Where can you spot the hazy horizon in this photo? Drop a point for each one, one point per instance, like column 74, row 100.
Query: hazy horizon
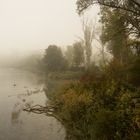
column 31, row 25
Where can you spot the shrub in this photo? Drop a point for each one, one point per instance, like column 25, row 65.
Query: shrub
column 100, row 110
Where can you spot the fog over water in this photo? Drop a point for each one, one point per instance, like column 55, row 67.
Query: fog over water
column 31, row 25
column 27, row 27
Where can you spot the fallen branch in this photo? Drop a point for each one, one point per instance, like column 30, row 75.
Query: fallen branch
column 47, row 110
column 38, row 109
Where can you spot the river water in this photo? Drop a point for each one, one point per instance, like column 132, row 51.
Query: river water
column 18, row 88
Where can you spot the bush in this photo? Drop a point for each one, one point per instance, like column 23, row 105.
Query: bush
column 98, row 111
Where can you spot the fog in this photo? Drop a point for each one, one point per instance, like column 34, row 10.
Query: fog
column 31, row 25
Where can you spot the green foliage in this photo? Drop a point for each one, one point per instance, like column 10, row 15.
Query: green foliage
column 75, row 55
column 69, row 55
column 115, row 33
column 100, row 110
column 78, row 54
column 89, row 33
column 134, row 44
column 55, row 80
column 134, row 72
column 67, row 75
column 53, row 59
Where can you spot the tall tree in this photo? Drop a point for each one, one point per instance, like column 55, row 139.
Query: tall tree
column 69, row 55
column 88, row 32
column 115, row 33
column 131, row 7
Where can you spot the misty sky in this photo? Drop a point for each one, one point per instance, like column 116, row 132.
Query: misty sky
column 34, row 24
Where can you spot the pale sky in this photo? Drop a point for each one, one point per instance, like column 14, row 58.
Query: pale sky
column 34, row 24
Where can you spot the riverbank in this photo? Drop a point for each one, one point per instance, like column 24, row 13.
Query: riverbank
column 94, row 107
column 55, row 82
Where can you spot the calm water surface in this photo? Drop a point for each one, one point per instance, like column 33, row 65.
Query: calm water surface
column 15, row 124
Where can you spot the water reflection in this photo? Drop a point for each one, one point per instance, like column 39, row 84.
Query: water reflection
column 22, row 103
column 15, row 115
column 16, row 124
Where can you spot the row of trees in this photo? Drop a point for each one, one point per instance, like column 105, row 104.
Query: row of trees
column 55, row 60
column 127, row 9
column 76, row 56
column 120, row 35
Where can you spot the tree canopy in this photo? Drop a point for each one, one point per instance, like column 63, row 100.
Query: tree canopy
column 53, row 59
column 132, row 6
column 78, row 54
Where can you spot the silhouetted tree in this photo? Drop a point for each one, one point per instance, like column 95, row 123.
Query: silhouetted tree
column 78, row 54
column 115, row 33
column 54, row 59
column 69, row 55
column 88, row 32
column 130, row 7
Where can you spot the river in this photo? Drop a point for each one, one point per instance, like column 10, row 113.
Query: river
column 15, row 86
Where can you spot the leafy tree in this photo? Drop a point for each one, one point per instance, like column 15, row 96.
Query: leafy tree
column 131, row 7
column 115, row 33
column 88, row 31
column 134, row 44
column 54, row 59
column 78, row 54
column 99, row 110
column 69, row 55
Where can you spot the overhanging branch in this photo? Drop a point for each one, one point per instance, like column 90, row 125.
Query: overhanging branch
column 84, row 4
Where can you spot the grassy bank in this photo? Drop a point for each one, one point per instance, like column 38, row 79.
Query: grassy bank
column 56, row 80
